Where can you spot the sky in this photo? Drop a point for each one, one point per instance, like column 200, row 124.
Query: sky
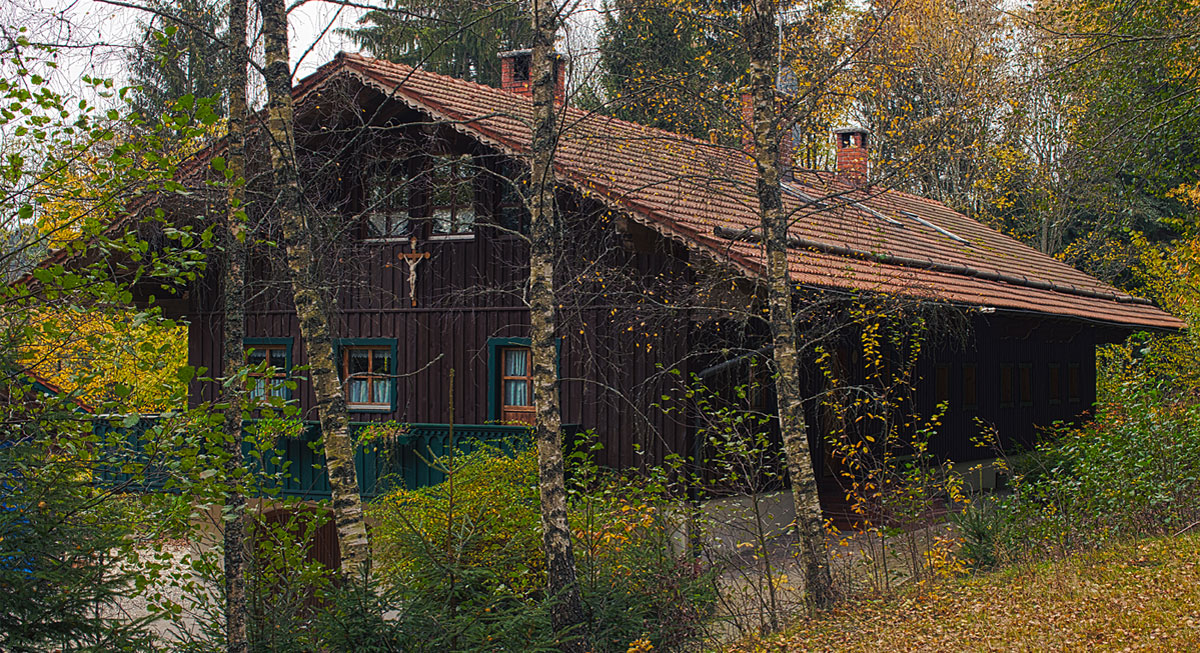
column 95, row 37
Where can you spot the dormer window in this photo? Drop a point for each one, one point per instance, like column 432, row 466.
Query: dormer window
column 511, row 212
column 386, row 200
column 506, row 183
column 452, row 195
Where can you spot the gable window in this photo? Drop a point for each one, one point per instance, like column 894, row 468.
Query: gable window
column 516, row 386
column 386, row 201
column 511, row 212
column 269, row 360
column 368, row 374
column 452, row 195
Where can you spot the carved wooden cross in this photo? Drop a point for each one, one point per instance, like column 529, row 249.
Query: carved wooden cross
column 412, row 257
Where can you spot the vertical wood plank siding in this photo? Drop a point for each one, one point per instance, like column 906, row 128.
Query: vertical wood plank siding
column 468, row 292
column 613, row 365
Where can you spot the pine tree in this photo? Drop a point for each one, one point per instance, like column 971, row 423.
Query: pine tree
column 452, row 37
column 667, row 66
column 177, row 55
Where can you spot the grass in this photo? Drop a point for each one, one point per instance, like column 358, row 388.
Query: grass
column 1140, row 596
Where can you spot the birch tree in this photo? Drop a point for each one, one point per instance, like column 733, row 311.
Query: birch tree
column 313, row 307
column 760, row 29
column 234, row 312
column 566, row 606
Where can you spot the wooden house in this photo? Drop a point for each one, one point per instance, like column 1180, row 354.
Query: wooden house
column 418, row 179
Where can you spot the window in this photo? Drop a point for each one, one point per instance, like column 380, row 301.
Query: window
column 269, row 360
column 970, row 398
column 510, row 380
column 759, row 385
column 452, row 195
column 941, row 383
column 385, row 199
column 1054, row 381
column 368, row 371
column 511, row 212
column 516, row 386
column 1073, row 395
column 1006, row 386
column 1026, row 384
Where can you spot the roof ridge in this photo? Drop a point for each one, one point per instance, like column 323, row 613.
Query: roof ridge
column 583, row 113
column 688, row 213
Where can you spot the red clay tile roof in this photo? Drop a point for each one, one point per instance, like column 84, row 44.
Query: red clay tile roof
column 700, row 193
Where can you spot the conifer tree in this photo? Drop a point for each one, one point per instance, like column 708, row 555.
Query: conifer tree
column 667, row 65
column 451, row 37
column 176, row 54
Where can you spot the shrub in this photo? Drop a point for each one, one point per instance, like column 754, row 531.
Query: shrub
column 464, row 557
column 287, row 592
column 464, row 561
column 354, row 618
column 637, row 575
column 484, row 517
column 977, row 525
column 1134, row 471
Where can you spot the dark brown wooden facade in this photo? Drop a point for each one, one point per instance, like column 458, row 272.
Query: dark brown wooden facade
column 1019, row 374
column 468, row 307
column 634, row 324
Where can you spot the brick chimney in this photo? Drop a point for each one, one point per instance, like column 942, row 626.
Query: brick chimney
column 786, row 154
column 515, row 68
column 852, row 144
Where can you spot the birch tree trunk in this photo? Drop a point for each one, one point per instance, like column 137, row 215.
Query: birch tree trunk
column 814, row 556
column 314, row 308
column 234, row 326
column 566, row 612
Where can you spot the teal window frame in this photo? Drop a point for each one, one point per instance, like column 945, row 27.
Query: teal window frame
column 494, row 345
column 254, row 343
column 345, row 343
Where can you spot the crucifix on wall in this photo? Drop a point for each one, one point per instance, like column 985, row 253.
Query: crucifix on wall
column 413, row 258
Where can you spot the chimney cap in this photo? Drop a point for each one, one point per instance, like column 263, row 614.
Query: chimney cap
column 852, row 130
column 527, row 52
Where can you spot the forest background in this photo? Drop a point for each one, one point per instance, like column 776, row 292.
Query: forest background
column 1068, row 124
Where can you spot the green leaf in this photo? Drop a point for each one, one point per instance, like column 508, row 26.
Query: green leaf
column 185, row 374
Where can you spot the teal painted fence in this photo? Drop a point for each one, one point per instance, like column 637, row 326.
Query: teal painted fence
column 407, row 459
